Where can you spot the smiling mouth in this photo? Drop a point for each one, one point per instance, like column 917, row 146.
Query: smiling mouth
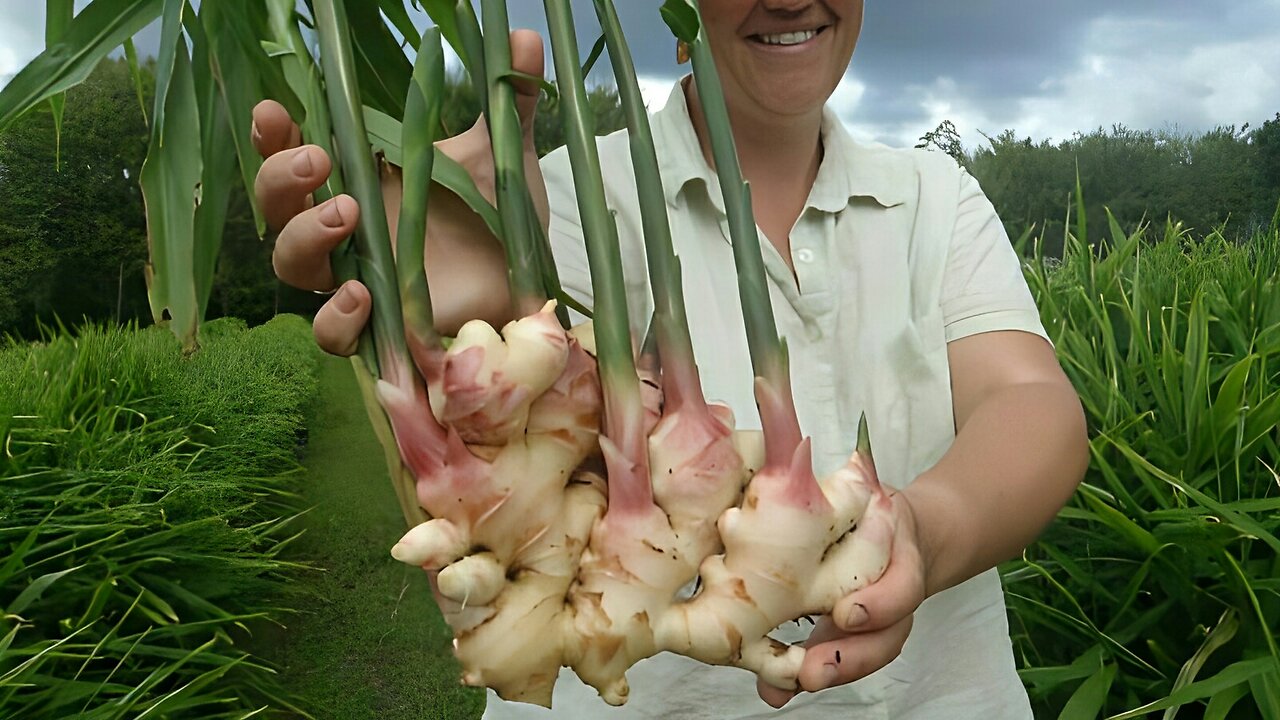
column 789, row 38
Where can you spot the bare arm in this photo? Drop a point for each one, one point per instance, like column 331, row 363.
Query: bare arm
column 1021, row 449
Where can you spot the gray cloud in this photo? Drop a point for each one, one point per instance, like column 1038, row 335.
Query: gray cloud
column 1044, row 69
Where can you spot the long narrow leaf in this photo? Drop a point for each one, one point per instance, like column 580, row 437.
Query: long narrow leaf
column 170, row 181
column 421, row 119
column 384, row 135
column 1090, row 698
column 238, row 61
column 373, row 238
column 1229, row 677
column 96, row 31
column 218, row 173
column 131, row 57
column 57, row 16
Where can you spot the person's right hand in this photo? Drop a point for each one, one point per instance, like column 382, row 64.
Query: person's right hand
column 466, row 265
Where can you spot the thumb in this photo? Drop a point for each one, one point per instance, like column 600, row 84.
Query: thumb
column 527, row 58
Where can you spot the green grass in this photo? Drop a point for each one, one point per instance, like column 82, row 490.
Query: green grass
column 1158, row 588
column 370, row 642
column 145, row 503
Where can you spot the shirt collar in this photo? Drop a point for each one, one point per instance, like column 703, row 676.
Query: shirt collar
column 849, row 169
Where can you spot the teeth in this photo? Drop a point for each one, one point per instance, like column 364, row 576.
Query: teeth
column 790, row 38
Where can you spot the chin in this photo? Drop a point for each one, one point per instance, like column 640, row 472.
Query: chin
column 791, row 98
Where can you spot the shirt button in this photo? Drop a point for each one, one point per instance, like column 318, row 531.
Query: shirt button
column 804, row 255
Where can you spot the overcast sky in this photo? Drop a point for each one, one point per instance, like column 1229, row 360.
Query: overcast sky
column 1042, row 68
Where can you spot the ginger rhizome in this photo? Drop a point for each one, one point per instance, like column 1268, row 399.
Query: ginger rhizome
column 571, row 495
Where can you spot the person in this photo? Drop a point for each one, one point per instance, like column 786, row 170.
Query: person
column 898, row 293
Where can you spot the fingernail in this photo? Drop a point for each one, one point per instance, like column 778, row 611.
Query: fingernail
column 254, row 132
column 345, row 301
column 302, row 163
column 330, row 214
column 856, row 616
column 829, row 676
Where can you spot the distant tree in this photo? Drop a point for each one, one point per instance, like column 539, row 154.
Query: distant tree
column 946, row 138
column 1206, row 181
column 73, row 238
column 1266, row 140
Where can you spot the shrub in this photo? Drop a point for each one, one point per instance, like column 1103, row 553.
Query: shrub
column 144, row 503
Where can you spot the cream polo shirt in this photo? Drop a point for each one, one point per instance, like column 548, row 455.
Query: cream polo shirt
column 897, row 252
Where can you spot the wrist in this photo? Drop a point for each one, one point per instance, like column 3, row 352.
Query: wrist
column 938, row 512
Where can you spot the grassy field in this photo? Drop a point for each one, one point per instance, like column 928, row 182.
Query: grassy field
column 147, row 502
column 1159, row 585
column 369, row 642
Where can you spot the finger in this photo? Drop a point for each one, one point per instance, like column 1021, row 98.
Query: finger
column 847, row 658
column 285, row 182
column 527, row 57
column 273, row 130
column 894, row 596
column 301, row 254
column 823, row 631
column 774, row 697
column 340, row 321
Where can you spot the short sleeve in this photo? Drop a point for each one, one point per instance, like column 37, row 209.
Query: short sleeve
column 983, row 288
column 568, row 244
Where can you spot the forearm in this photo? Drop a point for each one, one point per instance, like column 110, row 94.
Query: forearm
column 1014, row 464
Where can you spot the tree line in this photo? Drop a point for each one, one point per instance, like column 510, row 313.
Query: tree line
column 73, row 231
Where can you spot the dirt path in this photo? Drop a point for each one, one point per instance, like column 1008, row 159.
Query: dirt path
column 372, row 643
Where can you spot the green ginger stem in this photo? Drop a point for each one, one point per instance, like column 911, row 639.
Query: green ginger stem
column 510, row 186
column 421, row 119
column 671, row 321
column 623, row 409
column 768, row 355
column 372, row 238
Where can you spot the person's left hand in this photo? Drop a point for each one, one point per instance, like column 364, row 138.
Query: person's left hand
column 868, row 627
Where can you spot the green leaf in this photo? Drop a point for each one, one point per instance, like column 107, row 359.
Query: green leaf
column 57, row 16
column 444, row 14
column 1047, row 678
column 1087, row 702
column 7, row 640
column 418, row 135
column 1221, row 703
column 594, row 55
column 15, row 562
column 1266, row 693
column 470, row 47
column 170, row 181
column 240, row 66
column 1221, row 634
column 218, row 174
column 1230, row 676
column 682, row 18
column 382, row 70
column 99, row 29
column 384, row 136
column 1144, row 542
column 399, row 17
column 131, row 56
column 1195, row 374
column 37, row 587
column 303, row 79
column 1242, row 522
